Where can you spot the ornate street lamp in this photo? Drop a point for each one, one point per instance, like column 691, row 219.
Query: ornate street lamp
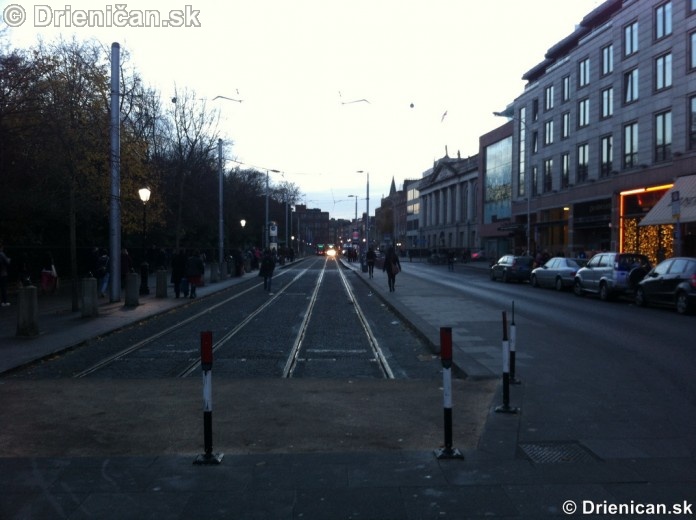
column 144, row 194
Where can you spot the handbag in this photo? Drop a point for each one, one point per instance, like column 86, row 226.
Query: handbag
column 395, row 268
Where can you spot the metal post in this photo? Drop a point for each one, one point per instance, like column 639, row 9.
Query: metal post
column 513, row 348
column 207, row 365
column 221, row 232
column 115, row 195
column 446, row 356
column 505, row 407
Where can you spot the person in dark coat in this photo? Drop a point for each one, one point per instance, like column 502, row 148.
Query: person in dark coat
column 178, row 271
column 194, row 272
column 266, row 270
column 370, row 257
column 392, row 266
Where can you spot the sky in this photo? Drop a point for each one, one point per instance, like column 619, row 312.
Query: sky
column 331, row 92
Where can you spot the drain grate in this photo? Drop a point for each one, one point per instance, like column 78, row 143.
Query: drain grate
column 554, row 452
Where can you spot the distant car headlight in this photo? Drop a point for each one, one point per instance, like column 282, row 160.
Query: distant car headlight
column 331, row 252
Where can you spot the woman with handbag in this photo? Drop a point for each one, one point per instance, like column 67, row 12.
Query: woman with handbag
column 392, row 266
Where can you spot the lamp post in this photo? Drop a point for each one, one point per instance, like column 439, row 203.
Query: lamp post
column 527, row 172
column 265, row 227
column 144, row 194
column 221, row 232
column 367, row 210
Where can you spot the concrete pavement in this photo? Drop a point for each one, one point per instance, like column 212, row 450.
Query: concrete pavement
column 509, row 472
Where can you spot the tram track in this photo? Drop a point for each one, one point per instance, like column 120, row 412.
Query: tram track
column 157, row 342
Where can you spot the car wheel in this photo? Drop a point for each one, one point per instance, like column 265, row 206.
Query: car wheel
column 604, row 292
column 577, row 288
column 682, row 303
column 640, row 300
column 534, row 281
column 559, row 284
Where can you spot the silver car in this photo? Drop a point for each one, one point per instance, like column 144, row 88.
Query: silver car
column 558, row 273
column 611, row 274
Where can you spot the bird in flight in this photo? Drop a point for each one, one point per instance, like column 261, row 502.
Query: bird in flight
column 363, row 100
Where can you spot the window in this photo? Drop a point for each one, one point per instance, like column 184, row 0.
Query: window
column 583, row 162
column 692, row 50
column 692, row 123
column 607, row 60
column 663, row 20
column 630, row 145
column 535, row 173
column 663, row 72
column 522, row 178
column 566, row 88
column 607, row 102
column 607, row 158
column 548, row 98
column 565, row 170
column 548, row 175
column 565, row 125
column 548, row 132
column 584, row 113
column 663, row 136
column 584, row 72
column 631, row 86
column 535, row 142
column 535, row 109
column 631, row 39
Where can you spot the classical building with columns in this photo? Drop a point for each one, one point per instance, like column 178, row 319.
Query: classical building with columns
column 448, row 205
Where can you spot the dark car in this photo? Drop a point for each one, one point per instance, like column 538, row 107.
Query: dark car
column 511, row 267
column 558, row 272
column 672, row 282
column 611, row 274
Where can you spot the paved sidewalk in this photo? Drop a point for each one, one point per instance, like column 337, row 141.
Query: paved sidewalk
column 509, row 473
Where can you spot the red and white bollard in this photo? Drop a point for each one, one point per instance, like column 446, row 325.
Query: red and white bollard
column 505, row 407
column 513, row 348
column 446, row 356
column 207, row 365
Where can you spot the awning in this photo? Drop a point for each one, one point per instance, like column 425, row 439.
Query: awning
column 662, row 212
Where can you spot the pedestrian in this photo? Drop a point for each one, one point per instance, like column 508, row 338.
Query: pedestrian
column 370, row 257
column 266, row 270
column 194, row 272
column 101, row 271
column 392, row 266
column 450, row 259
column 179, row 273
column 49, row 275
column 4, row 275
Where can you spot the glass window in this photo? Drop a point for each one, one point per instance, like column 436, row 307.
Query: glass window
column 631, row 86
column 565, row 125
column 692, row 50
column 663, row 72
column 548, row 98
column 631, row 145
column 607, row 60
column 678, row 266
column 663, row 136
column 663, row 20
column 584, row 72
column 584, row 113
column 566, row 88
column 692, row 124
column 548, row 132
column 663, row 267
column 548, row 175
column 607, row 102
column 607, row 157
column 583, row 162
column 631, row 39
column 565, row 170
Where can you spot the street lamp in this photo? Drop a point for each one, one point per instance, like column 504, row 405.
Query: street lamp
column 266, row 244
column 527, row 171
column 367, row 210
column 144, row 194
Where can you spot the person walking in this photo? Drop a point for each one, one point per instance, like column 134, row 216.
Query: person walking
column 194, row 272
column 4, row 275
column 370, row 257
column 179, row 272
column 392, row 266
column 266, row 270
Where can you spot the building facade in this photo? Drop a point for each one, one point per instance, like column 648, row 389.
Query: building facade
column 604, row 127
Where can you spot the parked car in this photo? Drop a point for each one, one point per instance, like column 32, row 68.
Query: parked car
column 511, row 267
column 558, row 272
column 672, row 282
column 611, row 274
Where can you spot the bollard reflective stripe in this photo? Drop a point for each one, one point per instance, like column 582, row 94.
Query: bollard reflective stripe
column 207, row 365
column 446, row 357
column 505, row 407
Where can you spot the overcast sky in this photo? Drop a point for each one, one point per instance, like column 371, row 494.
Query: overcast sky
column 431, row 72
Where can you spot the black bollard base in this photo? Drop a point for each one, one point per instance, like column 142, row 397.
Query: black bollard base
column 209, row 459
column 448, row 453
column 506, row 408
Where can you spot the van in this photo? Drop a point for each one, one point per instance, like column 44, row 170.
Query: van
column 611, row 274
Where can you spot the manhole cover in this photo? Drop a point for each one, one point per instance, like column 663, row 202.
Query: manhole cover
column 553, row 452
